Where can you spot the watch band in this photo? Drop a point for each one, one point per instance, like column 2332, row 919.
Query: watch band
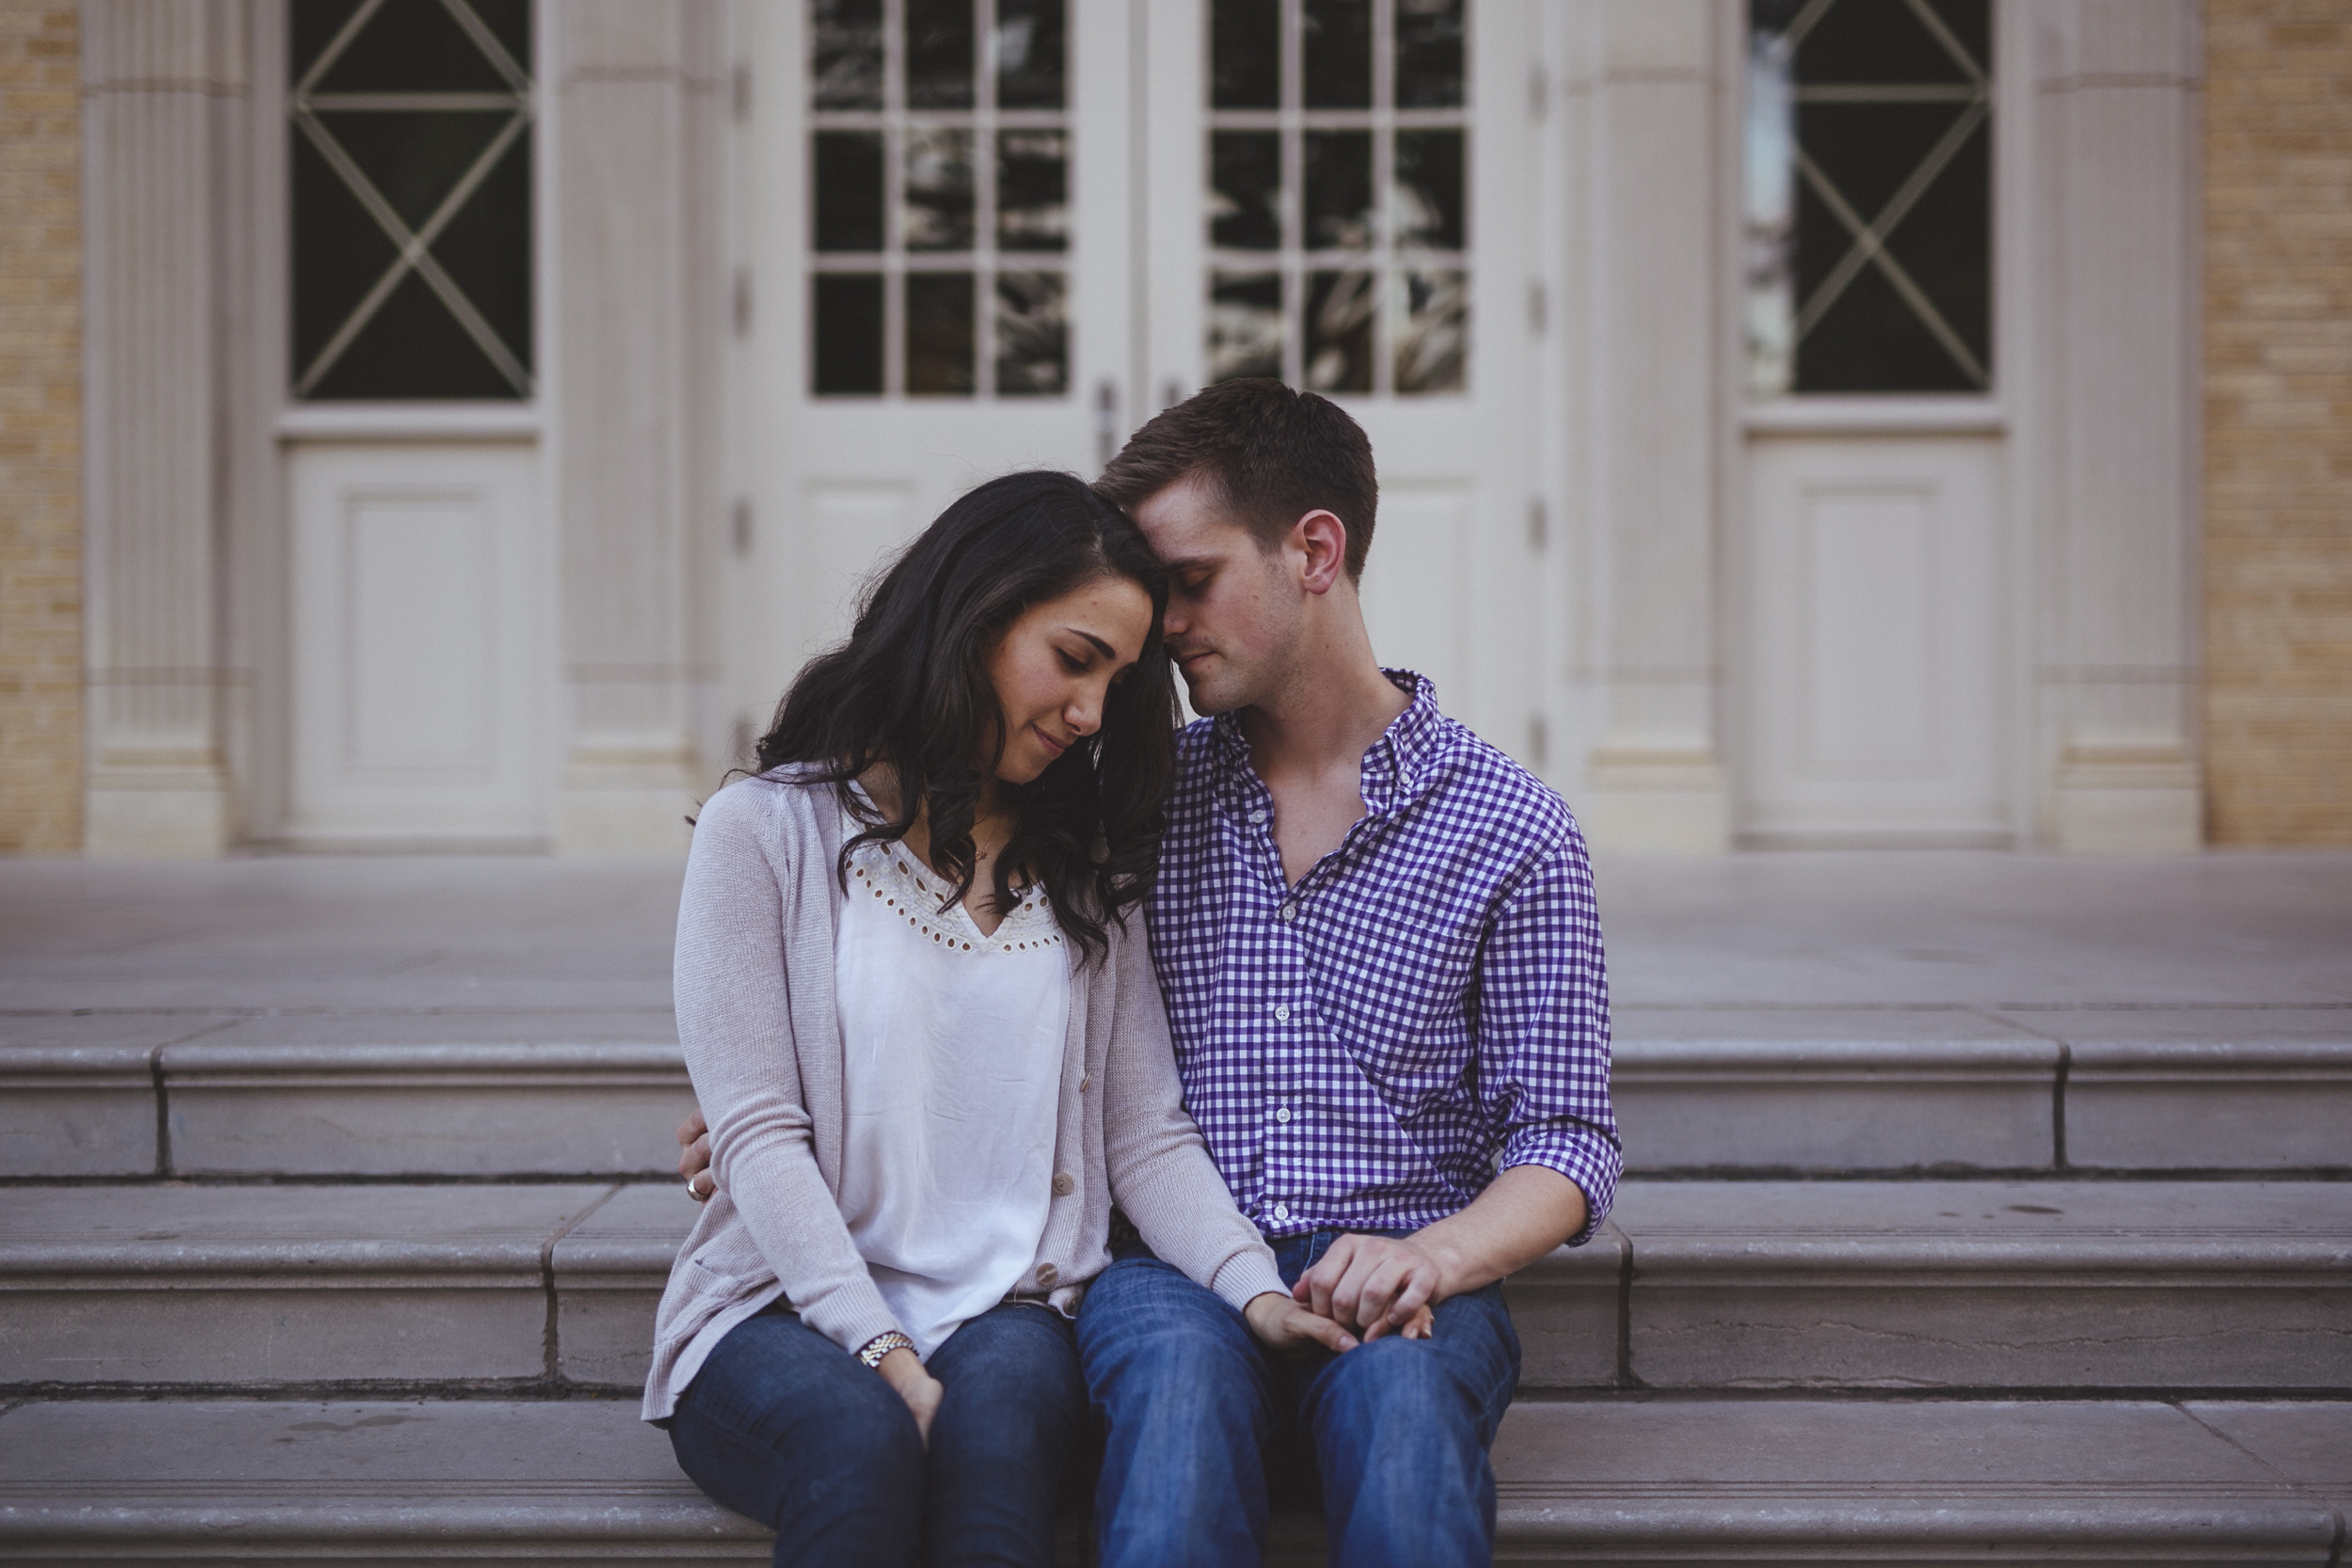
column 882, row 1344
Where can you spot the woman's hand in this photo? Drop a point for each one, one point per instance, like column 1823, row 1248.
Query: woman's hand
column 693, row 1142
column 904, row 1372
column 1282, row 1324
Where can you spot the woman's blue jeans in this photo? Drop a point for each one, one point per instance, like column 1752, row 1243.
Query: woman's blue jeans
column 1194, row 1407
column 784, row 1426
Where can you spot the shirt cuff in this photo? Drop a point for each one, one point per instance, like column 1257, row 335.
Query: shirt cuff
column 1590, row 1159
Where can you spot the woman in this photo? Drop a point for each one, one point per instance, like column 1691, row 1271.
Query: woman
column 920, row 1015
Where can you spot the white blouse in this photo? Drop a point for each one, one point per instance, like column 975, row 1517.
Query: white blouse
column 952, row 1044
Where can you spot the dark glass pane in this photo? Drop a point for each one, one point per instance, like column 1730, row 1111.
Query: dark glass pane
column 1433, row 337
column 1428, row 53
column 1871, row 342
column 1029, row 48
column 845, row 53
column 939, row 54
column 1429, row 189
column 509, row 21
column 1245, row 190
column 849, row 190
column 1884, row 41
column 1339, row 310
column 413, row 159
column 1246, row 54
column 1337, row 175
column 337, row 252
column 1868, row 150
column 406, row 46
column 486, row 249
column 1244, row 324
column 1946, row 245
column 412, row 348
column 1032, row 334
column 1336, row 38
column 937, row 211
column 310, row 28
column 1033, row 190
column 847, row 328
column 939, row 332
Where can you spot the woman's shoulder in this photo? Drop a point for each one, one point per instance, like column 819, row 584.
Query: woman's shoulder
column 793, row 800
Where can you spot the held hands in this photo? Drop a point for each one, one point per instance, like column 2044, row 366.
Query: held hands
column 1376, row 1285
column 693, row 1160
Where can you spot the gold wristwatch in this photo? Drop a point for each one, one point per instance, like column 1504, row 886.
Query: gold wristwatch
column 881, row 1345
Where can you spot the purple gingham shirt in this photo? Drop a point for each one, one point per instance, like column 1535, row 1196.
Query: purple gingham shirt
column 1428, row 1006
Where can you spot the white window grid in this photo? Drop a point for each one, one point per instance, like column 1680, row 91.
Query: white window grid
column 894, row 120
column 1388, row 259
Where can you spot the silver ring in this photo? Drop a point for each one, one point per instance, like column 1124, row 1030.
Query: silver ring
column 699, row 1197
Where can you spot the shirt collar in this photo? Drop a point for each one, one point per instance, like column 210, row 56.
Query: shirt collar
column 1395, row 765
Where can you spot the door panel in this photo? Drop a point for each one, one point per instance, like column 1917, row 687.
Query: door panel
column 420, row 669
column 1872, row 675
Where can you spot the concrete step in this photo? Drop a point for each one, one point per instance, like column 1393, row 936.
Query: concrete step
column 582, row 1480
column 1749, row 1092
column 532, row 1093
column 2106, row 1286
column 1803, row 1090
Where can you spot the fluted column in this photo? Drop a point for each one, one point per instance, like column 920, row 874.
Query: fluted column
column 1647, row 89
column 163, row 83
column 2118, row 425
column 634, row 385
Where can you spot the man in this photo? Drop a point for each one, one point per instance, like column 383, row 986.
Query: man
column 1383, row 968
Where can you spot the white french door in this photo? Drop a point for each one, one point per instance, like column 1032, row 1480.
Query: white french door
column 995, row 233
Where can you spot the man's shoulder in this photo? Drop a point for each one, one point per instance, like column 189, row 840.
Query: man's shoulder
column 1476, row 784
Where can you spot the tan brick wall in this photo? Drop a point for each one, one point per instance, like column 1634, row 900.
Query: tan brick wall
column 2278, row 421
column 40, row 428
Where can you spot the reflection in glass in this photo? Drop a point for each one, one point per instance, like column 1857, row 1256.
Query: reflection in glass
column 845, row 53
column 1429, row 188
column 1433, row 332
column 849, row 190
column 939, row 332
column 1028, row 52
column 1246, row 54
column 1335, row 37
column 1338, row 177
column 1339, row 310
column 1033, row 190
column 1032, row 334
column 1245, row 190
column 936, row 210
column 846, row 309
column 1428, row 53
column 939, row 54
column 1244, row 324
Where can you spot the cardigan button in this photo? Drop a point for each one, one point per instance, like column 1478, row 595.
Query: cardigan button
column 1064, row 1184
column 1087, row 1083
column 1047, row 1273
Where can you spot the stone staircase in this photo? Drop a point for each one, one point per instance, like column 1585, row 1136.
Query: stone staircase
column 1892, row 1283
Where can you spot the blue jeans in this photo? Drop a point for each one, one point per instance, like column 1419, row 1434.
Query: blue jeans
column 1193, row 1408
column 786, row 1427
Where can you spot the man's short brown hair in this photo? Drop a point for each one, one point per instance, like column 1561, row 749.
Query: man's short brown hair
column 1272, row 456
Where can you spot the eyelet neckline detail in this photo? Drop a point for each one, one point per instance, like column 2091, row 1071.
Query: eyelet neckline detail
column 912, row 893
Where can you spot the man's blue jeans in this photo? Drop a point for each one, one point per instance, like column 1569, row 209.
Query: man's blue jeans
column 1192, row 1405
column 786, row 1427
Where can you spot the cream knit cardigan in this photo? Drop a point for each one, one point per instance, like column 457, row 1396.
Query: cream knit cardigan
column 756, row 1018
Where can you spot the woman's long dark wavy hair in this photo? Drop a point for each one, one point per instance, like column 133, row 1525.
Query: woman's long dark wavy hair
column 911, row 690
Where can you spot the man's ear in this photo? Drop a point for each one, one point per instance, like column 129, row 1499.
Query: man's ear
column 1321, row 540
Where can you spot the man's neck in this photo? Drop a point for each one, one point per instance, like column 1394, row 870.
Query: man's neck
column 1325, row 720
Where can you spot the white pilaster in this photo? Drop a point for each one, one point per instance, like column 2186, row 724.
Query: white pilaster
column 1646, row 84
column 633, row 373
column 2117, row 345
column 163, row 84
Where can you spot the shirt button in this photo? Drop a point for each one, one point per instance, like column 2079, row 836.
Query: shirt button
column 1289, row 911
column 1257, row 815
column 1047, row 1273
column 1281, row 1012
column 1282, row 1115
column 1282, row 1211
column 1063, row 1184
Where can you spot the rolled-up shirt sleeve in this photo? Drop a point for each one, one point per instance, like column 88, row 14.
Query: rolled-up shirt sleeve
column 1543, row 1029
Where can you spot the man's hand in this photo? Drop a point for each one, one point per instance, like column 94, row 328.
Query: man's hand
column 693, row 1136
column 1281, row 1324
column 905, row 1374
column 1375, row 1284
